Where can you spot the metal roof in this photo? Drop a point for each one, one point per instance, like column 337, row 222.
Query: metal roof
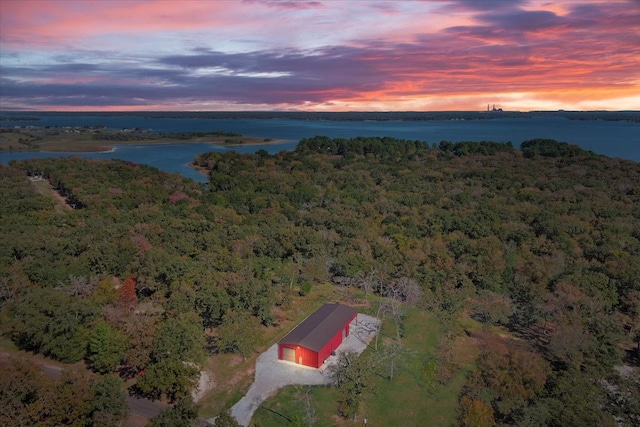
column 316, row 331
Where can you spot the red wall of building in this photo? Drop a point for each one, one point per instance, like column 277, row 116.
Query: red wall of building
column 304, row 356
column 307, row 357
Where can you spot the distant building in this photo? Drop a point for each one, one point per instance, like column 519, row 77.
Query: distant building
column 318, row 336
column 494, row 109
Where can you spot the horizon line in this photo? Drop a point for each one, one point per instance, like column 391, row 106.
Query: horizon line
column 321, row 112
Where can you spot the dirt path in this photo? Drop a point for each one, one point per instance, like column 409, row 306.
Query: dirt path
column 273, row 374
column 42, row 186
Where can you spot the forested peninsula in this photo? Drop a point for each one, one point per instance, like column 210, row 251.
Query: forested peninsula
column 98, row 138
column 507, row 280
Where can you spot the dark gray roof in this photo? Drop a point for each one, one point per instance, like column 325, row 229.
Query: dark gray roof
column 323, row 324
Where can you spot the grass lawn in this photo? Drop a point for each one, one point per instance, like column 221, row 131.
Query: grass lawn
column 406, row 400
column 286, row 408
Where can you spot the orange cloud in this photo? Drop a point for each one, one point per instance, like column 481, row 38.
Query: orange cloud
column 400, row 55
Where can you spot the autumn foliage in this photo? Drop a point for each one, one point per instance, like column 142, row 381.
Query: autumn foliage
column 176, row 196
column 546, row 247
column 127, row 295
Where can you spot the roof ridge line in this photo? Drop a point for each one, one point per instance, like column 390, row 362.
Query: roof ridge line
column 324, row 320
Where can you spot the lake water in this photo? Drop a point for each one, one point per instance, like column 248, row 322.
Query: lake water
column 611, row 138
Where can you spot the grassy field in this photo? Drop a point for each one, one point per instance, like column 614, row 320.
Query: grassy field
column 409, row 399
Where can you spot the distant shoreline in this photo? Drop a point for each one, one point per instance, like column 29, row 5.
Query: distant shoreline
column 610, row 115
column 200, row 169
column 55, row 144
column 77, row 133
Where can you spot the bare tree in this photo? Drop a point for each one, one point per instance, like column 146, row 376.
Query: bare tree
column 392, row 291
column 392, row 355
column 393, row 308
column 303, row 395
column 368, row 282
column 380, row 315
column 80, row 286
column 410, row 291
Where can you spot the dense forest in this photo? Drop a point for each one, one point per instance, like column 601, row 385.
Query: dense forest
column 144, row 274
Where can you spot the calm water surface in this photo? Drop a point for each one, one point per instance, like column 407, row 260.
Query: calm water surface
column 611, row 138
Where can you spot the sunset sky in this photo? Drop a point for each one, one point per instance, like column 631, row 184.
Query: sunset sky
column 326, row 55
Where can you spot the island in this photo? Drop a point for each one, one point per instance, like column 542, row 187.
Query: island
column 100, row 138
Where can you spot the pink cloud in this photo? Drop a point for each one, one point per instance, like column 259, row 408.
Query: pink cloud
column 46, row 22
column 288, row 4
column 393, row 54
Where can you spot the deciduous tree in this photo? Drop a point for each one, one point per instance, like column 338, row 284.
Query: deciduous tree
column 127, row 295
column 238, row 332
column 109, row 406
column 353, row 376
column 106, row 347
column 183, row 414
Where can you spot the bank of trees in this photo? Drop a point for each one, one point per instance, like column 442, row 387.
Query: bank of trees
column 28, row 397
column 144, row 135
column 551, row 148
column 155, row 270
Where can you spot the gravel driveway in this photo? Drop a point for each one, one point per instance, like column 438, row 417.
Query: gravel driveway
column 273, row 374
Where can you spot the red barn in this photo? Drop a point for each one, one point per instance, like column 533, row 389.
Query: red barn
column 312, row 341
